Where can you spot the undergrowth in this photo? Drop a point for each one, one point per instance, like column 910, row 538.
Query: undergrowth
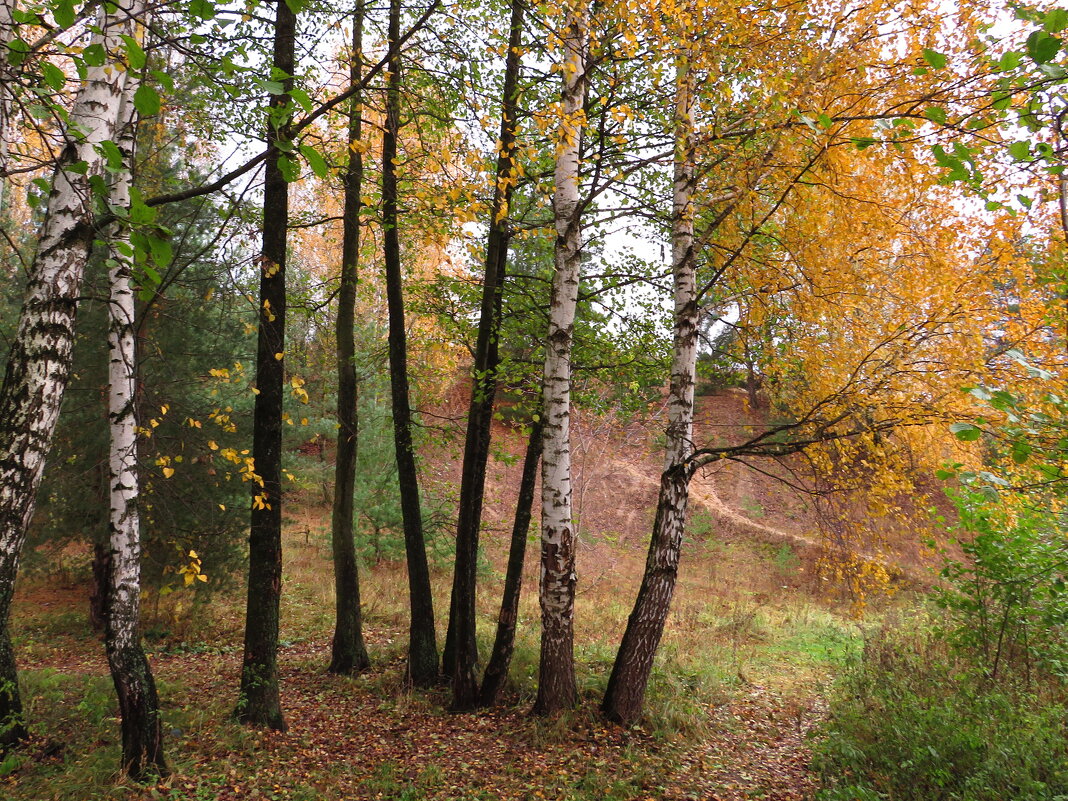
column 911, row 720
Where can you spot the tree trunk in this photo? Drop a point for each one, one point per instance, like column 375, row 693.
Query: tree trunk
column 142, row 734
column 7, row 33
column 348, row 653
column 98, row 596
column 422, row 642
column 556, row 680
column 39, row 360
column 258, row 702
column 484, row 387
column 634, row 662
column 504, row 642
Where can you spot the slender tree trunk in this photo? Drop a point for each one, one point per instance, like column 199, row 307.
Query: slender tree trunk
column 258, row 702
column 7, row 33
column 422, row 642
column 39, row 360
column 484, row 387
column 349, row 653
column 556, row 679
column 142, row 733
column 504, row 642
column 634, row 662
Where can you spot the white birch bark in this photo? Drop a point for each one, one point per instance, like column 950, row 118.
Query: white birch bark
column 556, row 683
column 39, row 360
column 634, row 661
column 142, row 738
column 7, row 33
column 124, row 487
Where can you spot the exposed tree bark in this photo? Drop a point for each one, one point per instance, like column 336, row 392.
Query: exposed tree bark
column 634, row 661
column 556, row 678
column 484, row 387
column 348, row 652
column 38, row 363
column 142, row 733
column 7, row 33
column 422, row 639
column 98, row 595
column 504, row 642
column 258, row 702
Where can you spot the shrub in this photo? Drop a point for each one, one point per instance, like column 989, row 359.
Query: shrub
column 913, row 719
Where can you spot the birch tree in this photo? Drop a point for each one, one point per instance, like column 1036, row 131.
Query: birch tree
column 142, row 734
column 556, row 678
column 38, row 363
column 634, row 660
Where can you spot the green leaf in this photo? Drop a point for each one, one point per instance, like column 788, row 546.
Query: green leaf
column 1042, row 47
column 935, row 114
column 290, row 168
column 315, row 160
column 94, row 55
column 1021, row 451
column 164, row 80
column 140, row 214
column 1020, row 151
column 863, row 142
column 1055, row 21
column 135, row 55
column 160, row 250
column 302, row 98
column 63, row 13
column 1001, row 101
column 966, row 432
column 204, row 9
column 17, row 50
column 53, row 76
column 147, row 101
column 934, row 58
column 271, row 87
column 824, row 121
column 1010, row 60
column 112, row 155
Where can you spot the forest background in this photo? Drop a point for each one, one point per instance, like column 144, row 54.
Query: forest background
column 354, row 264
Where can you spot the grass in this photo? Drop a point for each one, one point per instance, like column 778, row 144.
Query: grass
column 742, row 615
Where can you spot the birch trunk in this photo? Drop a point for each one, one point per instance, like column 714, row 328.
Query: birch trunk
column 39, row 360
column 348, row 651
column 142, row 734
column 422, row 639
column 484, row 387
column 556, row 678
column 7, row 33
column 634, row 661
column 258, row 702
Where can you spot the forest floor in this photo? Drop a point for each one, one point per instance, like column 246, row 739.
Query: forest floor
column 758, row 628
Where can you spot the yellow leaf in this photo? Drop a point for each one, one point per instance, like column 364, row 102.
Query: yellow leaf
column 168, row 472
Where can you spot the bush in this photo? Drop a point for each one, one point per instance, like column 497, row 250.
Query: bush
column 912, row 719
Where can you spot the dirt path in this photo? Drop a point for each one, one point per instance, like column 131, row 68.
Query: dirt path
column 759, row 749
